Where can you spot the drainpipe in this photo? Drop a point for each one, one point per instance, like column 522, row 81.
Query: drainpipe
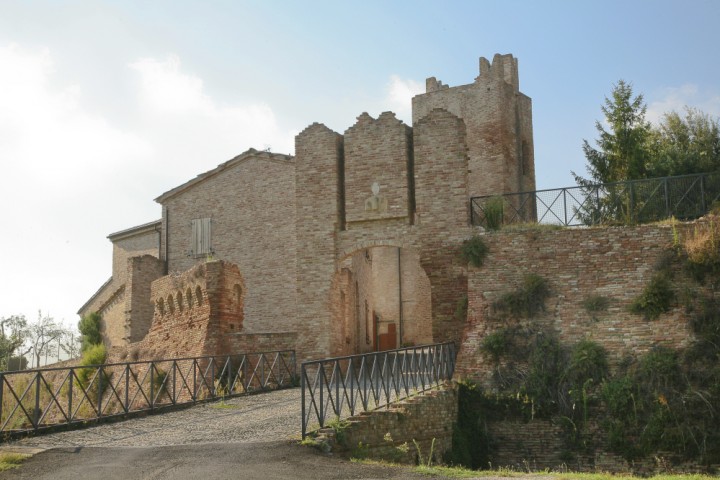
column 167, row 236
column 400, row 299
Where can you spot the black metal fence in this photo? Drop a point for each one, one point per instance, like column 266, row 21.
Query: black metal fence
column 35, row 400
column 631, row 202
column 343, row 386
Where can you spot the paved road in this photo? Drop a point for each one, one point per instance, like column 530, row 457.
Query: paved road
column 246, row 437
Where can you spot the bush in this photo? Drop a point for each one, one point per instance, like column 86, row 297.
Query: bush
column 527, row 300
column 496, row 344
column 588, row 361
column 89, row 327
column 95, row 355
column 474, row 251
column 656, row 299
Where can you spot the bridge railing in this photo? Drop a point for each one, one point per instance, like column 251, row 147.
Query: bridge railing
column 36, row 400
column 630, row 202
column 344, row 386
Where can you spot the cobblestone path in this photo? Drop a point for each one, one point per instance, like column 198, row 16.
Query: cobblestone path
column 254, row 418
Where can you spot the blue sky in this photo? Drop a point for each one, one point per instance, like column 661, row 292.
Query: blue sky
column 105, row 105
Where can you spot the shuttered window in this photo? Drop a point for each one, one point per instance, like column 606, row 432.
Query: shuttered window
column 201, row 236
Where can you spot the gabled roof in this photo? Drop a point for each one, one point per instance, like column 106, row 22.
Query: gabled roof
column 95, row 295
column 248, row 154
column 132, row 231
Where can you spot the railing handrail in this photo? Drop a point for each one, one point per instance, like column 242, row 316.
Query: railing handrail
column 138, row 362
column 598, row 185
column 629, row 201
column 42, row 399
column 364, row 385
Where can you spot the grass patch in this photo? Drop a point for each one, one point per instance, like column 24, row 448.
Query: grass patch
column 459, row 472
column 10, row 460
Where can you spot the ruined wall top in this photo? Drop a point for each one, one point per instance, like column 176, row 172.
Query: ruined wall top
column 503, row 67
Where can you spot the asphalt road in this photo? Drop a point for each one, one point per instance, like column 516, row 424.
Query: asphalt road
column 253, row 460
column 253, row 437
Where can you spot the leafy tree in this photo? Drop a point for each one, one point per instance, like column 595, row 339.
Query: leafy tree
column 623, row 151
column 13, row 331
column 42, row 334
column 89, row 327
column 685, row 145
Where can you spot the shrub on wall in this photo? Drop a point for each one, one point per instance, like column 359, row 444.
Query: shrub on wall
column 656, row 299
column 526, row 301
column 474, row 251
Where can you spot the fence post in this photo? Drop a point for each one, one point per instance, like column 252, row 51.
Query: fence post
column 702, row 194
column 667, row 197
column 100, row 391
column 321, row 374
column 36, row 410
column 302, row 400
column 565, row 206
column 70, row 394
column 127, row 388
column 152, row 385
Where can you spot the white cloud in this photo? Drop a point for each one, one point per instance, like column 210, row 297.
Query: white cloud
column 399, row 96
column 677, row 98
column 191, row 127
column 70, row 175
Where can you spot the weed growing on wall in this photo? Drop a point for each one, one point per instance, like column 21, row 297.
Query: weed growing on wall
column 525, row 302
column 657, row 297
column 595, row 304
column 474, row 251
column 493, row 210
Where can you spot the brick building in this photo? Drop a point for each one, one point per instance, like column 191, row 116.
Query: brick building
column 349, row 246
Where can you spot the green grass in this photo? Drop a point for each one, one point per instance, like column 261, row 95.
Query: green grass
column 457, row 472
column 11, row 460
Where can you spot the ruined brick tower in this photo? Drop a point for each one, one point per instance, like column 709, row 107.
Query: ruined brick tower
column 385, row 184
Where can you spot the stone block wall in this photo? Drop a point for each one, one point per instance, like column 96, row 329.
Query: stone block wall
column 388, row 434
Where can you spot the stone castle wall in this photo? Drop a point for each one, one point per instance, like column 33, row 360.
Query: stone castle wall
column 290, row 224
column 614, row 262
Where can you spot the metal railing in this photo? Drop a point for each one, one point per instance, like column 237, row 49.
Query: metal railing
column 36, row 400
column 631, row 202
column 343, row 386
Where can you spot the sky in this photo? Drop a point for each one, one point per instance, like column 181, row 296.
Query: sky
column 105, row 105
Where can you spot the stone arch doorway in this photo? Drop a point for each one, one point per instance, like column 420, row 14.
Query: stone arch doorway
column 380, row 300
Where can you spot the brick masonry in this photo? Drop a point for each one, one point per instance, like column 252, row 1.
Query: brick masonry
column 292, row 224
column 115, row 300
column 615, row 262
column 391, row 434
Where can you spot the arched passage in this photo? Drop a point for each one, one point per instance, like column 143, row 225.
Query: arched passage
column 380, row 300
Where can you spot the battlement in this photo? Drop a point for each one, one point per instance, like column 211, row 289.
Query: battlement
column 503, row 67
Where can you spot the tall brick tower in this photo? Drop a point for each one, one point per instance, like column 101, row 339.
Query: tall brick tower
column 498, row 121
